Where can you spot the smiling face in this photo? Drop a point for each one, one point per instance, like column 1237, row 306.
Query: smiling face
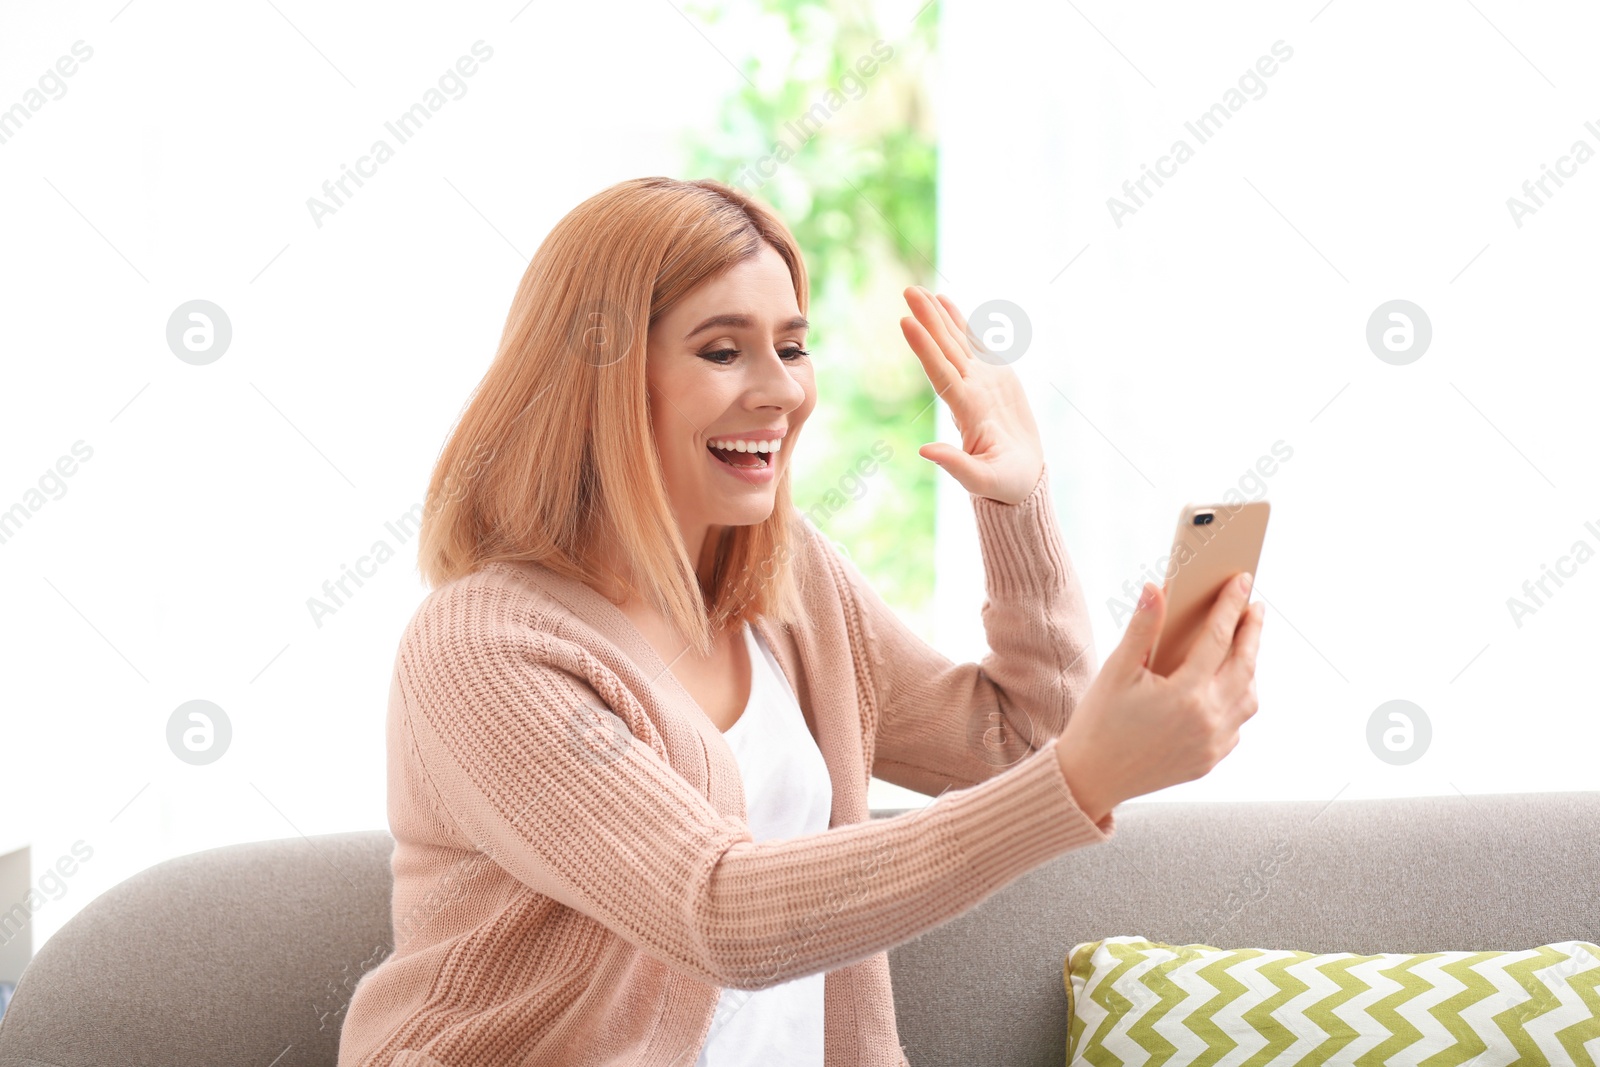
column 728, row 365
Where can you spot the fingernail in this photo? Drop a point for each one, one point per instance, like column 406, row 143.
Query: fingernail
column 1245, row 581
column 1147, row 595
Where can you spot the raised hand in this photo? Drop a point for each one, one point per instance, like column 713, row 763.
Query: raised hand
column 1001, row 456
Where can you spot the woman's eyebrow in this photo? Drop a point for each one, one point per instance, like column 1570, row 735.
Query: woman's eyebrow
column 745, row 322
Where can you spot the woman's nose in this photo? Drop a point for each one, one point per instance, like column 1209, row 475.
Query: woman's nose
column 776, row 383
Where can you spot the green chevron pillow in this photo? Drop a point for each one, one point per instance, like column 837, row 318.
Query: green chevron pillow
column 1138, row 1003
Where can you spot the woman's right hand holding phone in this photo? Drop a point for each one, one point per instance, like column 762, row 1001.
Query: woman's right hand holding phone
column 1135, row 732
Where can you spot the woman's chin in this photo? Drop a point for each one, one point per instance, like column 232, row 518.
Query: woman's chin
column 745, row 513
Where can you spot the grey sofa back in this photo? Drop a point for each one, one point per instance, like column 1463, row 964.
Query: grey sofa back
column 1420, row 874
column 248, row 953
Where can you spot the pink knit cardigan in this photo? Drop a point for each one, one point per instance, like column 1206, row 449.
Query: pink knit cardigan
column 573, row 874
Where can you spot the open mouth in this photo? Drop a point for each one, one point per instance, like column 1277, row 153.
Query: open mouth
column 747, row 460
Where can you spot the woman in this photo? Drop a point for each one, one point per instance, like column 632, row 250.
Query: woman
column 631, row 728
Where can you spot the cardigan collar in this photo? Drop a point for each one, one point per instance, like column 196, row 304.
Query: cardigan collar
column 598, row 612
column 720, row 778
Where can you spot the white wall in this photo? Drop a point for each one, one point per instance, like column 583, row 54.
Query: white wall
column 1229, row 313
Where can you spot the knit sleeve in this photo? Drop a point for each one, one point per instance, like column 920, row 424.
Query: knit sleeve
column 523, row 763
column 941, row 723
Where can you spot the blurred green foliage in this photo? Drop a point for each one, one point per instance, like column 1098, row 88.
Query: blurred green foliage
column 831, row 125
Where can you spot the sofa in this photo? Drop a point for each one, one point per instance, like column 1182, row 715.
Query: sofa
column 247, row 954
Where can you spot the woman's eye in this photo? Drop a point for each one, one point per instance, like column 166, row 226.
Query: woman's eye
column 712, row 356
column 794, row 353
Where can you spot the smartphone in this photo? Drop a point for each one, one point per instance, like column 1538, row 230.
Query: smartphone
column 1214, row 542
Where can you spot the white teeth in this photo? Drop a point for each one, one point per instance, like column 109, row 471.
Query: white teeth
column 748, row 446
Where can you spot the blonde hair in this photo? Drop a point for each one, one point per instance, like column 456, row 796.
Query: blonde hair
column 544, row 463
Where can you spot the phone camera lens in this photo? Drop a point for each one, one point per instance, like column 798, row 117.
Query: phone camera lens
column 1201, row 518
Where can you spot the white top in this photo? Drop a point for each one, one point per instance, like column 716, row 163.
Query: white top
column 788, row 793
